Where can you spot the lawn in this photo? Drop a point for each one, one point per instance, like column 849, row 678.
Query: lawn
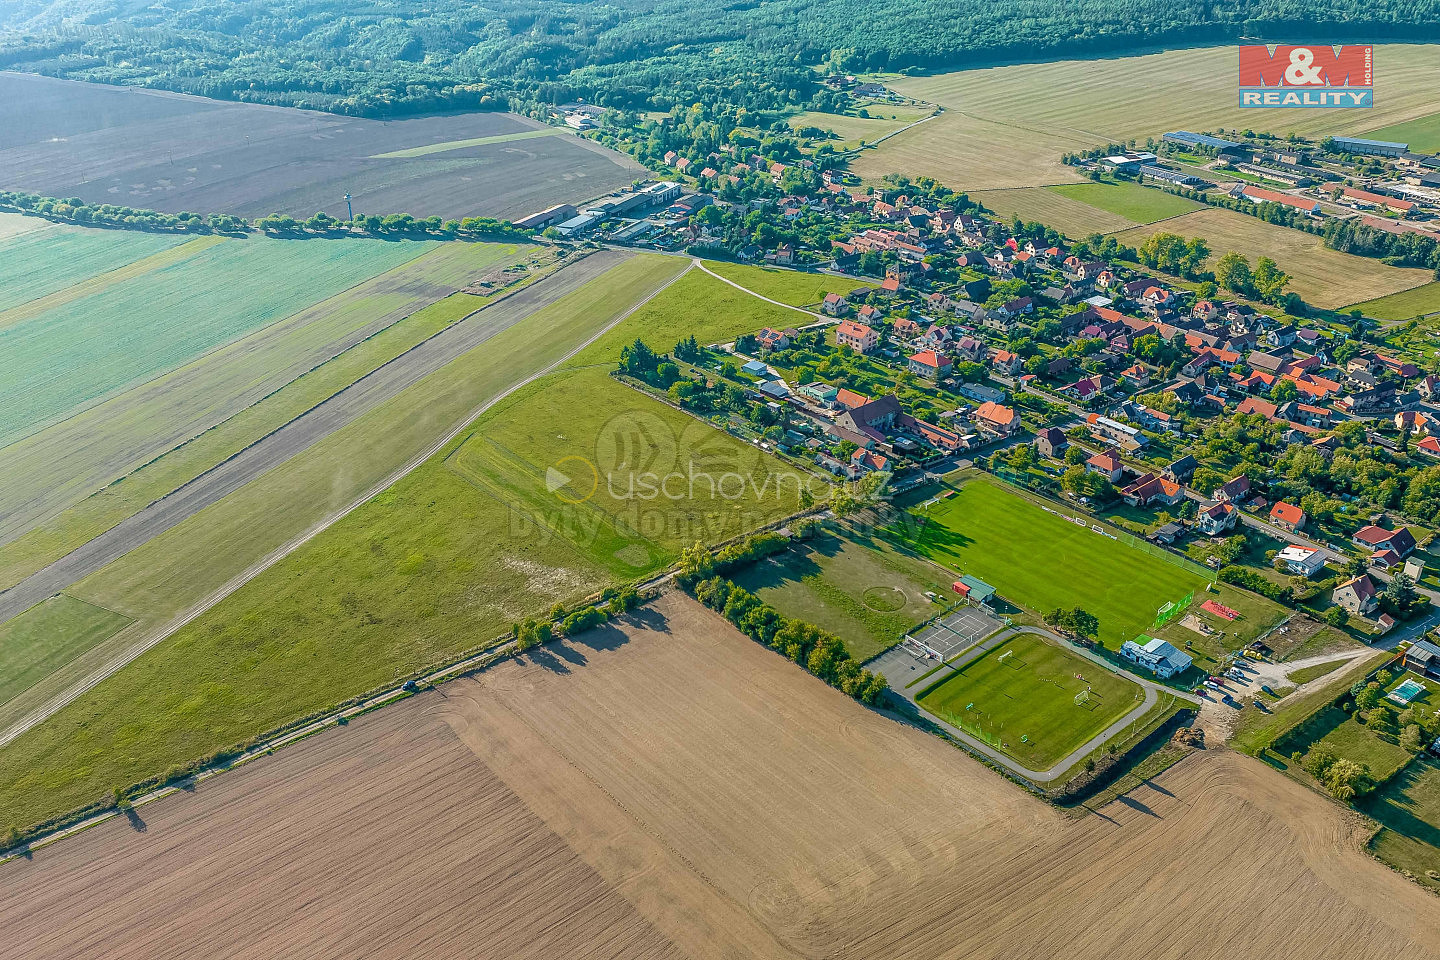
column 1306, row 674
column 38, row 263
column 1409, row 809
column 1008, row 126
column 1416, row 302
column 1422, row 133
column 1352, row 740
column 1020, row 698
column 797, row 288
column 1256, row 730
column 1129, row 200
column 698, row 304
column 1045, row 205
column 1324, row 277
column 1039, row 561
column 48, row 635
column 72, row 356
column 857, row 587
column 228, row 398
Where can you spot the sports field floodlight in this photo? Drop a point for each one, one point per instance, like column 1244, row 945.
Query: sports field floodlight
column 349, row 209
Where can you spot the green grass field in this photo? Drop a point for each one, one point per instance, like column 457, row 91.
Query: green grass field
column 787, row 286
column 1422, row 133
column 863, row 590
column 1020, row 698
column 196, row 416
column 1352, row 740
column 1416, row 302
column 72, row 356
column 697, row 304
column 1409, row 809
column 1041, row 562
column 1306, row 674
column 1071, row 217
column 47, row 636
column 1129, row 200
column 41, row 262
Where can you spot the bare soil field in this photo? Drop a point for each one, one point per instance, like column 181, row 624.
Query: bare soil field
column 1007, row 126
column 169, row 152
column 672, row 789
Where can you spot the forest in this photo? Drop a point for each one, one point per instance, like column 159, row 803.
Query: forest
column 400, row 57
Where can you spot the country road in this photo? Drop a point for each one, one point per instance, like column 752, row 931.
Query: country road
column 300, row 433
column 535, row 297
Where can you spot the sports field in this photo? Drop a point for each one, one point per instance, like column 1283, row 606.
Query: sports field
column 1416, row 302
column 668, row 788
column 1132, row 201
column 1008, row 126
column 1032, row 699
column 1325, row 278
column 1071, row 217
column 1041, row 562
column 859, row 588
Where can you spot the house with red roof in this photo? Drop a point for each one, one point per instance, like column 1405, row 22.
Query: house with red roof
column 997, row 419
column 1234, row 490
column 1107, row 464
column 929, row 364
column 835, row 305
column 1377, row 539
column 1151, row 488
column 1006, row 362
column 1430, row 446
column 1287, row 515
column 1217, row 518
column 859, row 337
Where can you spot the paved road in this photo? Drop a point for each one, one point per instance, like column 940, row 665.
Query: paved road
column 301, row 433
column 148, row 640
column 1152, row 695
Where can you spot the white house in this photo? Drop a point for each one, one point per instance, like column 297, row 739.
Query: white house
column 1157, row 656
column 1305, row 561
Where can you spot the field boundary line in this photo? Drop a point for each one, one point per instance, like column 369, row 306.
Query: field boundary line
column 140, row 647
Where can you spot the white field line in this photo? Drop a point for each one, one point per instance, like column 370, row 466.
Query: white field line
column 52, row 706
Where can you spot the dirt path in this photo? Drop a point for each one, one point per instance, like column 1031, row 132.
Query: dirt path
column 672, row 789
column 163, row 515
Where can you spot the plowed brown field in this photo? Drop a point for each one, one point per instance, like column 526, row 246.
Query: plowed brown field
column 675, row 790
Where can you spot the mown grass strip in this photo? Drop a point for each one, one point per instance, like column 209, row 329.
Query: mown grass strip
column 450, row 145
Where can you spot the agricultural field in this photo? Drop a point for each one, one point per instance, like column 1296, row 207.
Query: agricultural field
column 852, row 131
column 1021, row 698
column 1071, row 217
column 1132, row 201
column 1408, row 808
column 70, row 357
column 173, row 153
column 84, row 454
column 798, row 289
column 1325, row 278
column 763, row 814
column 1422, row 133
column 860, row 588
column 1416, row 302
column 1008, row 126
column 1042, row 562
column 269, row 653
column 48, row 635
column 37, row 263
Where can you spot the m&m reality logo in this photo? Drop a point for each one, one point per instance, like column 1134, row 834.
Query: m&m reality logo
column 1316, row 76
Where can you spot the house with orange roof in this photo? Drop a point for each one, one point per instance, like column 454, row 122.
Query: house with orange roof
column 1287, row 516
column 929, row 364
column 997, row 419
column 859, row 337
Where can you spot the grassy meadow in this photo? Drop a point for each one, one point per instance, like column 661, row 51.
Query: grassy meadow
column 806, row 290
column 1416, row 302
column 1020, row 698
column 1422, row 133
column 1408, row 809
column 1132, row 201
column 1073, row 218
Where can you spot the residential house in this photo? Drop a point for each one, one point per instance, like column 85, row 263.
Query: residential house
column 822, row 394
column 1415, row 422
column 1287, row 516
column 872, row 419
column 1152, row 488
column 1301, row 561
column 835, row 305
column 1183, row 469
column 1217, row 518
column 1107, row 464
column 1234, row 490
column 905, row 328
column 1137, row 375
column 1378, row 538
column 1357, row 595
column 1006, row 362
column 929, row 364
column 772, row 339
column 997, row 419
column 1423, row 657
column 859, row 337
column 1430, row 446
column 1051, row 442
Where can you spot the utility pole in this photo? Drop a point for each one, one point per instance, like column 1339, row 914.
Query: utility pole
column 349, row 209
